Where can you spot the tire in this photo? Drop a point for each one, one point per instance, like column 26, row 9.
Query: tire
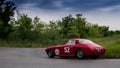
column 80, row 54
column 51, row 54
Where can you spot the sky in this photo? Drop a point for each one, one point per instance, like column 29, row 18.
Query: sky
column 101, row 12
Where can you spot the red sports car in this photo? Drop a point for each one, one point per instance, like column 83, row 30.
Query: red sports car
column 79, row 48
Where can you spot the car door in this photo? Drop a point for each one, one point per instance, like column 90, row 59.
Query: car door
column 68, row 48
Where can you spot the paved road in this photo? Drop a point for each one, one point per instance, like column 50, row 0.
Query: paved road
column 36, row 58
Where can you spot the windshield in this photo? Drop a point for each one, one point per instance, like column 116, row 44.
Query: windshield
column 85, row 41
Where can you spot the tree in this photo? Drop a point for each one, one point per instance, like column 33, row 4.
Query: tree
column 38, row 28
column 6, row 11
column 73, row 26
column 104, row 30
column 24, row 27
column 65, row 25
column 80, row 24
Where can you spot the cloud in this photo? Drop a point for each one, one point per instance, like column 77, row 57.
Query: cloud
column 43, row 14
column 80, row 5
column 110, row 9
column 102, row 12
column 108, row 17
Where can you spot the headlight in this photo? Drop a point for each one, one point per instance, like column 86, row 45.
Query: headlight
column 98, row 49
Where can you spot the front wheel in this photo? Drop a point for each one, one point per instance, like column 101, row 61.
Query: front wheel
column 80, row 54
column 51, row 54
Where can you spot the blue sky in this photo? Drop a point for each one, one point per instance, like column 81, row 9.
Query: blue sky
column 102, row 12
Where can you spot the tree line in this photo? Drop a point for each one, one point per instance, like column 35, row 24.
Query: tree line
column 55, row 32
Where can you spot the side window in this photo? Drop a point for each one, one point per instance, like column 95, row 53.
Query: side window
column 71, row 42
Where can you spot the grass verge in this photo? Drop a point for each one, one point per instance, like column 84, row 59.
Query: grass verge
column 112, row 44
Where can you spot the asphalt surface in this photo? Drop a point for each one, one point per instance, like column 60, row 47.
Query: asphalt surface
column 37, row 58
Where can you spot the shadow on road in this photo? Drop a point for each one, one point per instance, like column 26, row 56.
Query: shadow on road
column 71, row 58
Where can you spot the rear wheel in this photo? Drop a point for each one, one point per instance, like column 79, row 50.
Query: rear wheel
column 80, row 54
column 51, row 54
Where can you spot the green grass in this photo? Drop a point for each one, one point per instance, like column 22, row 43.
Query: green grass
column 112, row 45
column 112, row 52
column 30, row 44
column 20, row 43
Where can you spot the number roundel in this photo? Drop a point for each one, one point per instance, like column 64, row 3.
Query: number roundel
column 57, row 52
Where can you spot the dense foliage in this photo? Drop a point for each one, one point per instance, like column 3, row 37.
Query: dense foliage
column 6, row 11
column 25, row 30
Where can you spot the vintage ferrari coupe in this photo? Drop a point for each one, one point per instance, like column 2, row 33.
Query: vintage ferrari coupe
column 79, row 48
